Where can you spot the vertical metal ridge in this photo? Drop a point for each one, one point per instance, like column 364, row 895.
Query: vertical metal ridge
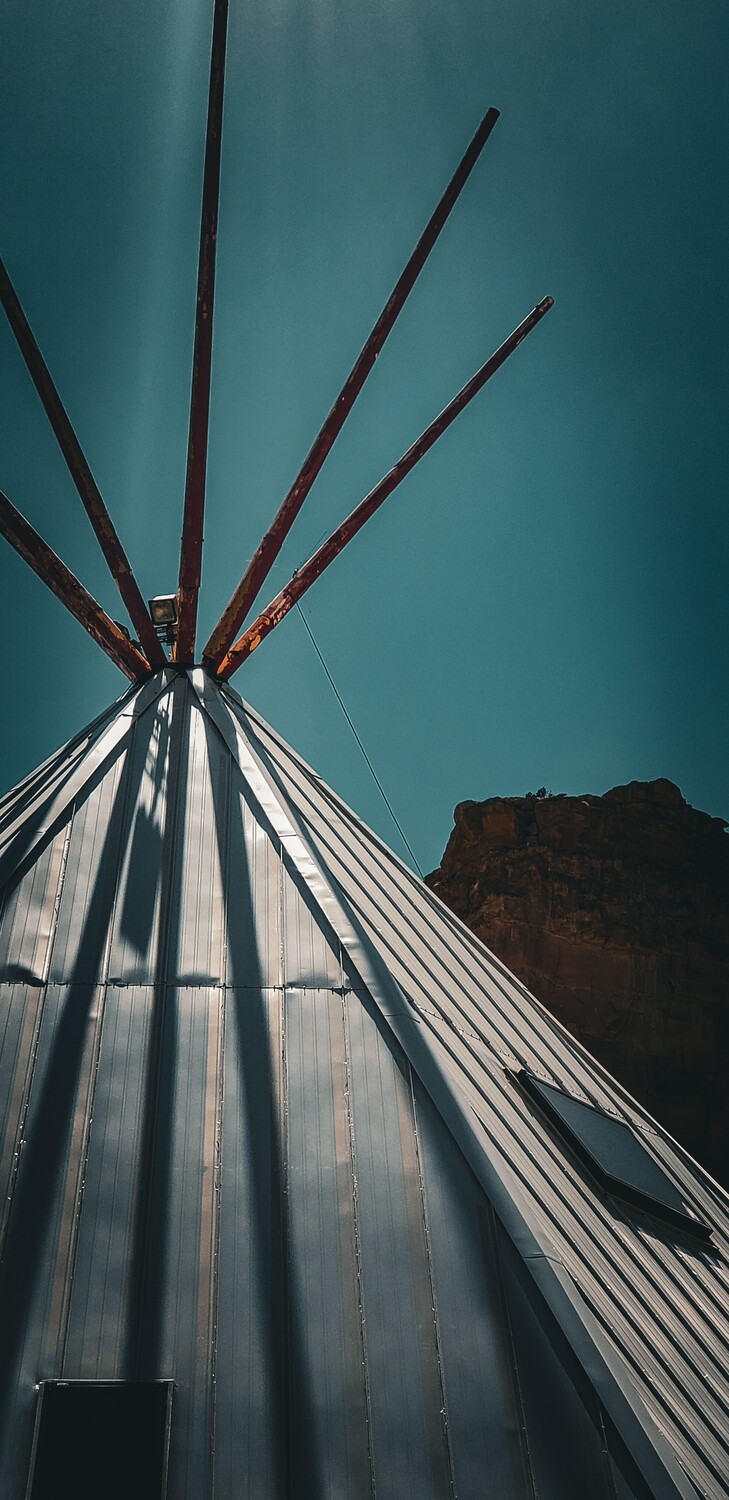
column 439, row 1456
column 26, row 1092
column 281, row 918
column 27, row 917
column 280, row 1215
column 357, row 1242
column 215, row 1297
column 86, row 1119
column 76, row 746
column 40, row 1011
column 607, row 1456
column 38, row 791
column 431, row 1283
column 492, row 1249
column 582, row 1327
column 98, row 1309
column 224, row 850
column 92, row 766
column 280, row 1240
column 42, row 1226
column 223, row 864
column 35, row 1037
column 202, row 898
column 81, row 1132
column 135, row 1358
column 209, row 1241
column 137, row 915
column 569, row 1062
column 58, row 896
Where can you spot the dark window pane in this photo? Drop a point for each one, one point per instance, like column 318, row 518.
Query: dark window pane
column 613, row 1146
column 97, row 1439
column 614, row 1154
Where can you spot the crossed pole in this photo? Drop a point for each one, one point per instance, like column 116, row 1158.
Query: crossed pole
column 223, row 653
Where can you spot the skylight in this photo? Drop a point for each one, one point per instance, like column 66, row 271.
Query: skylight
column 614, row 1155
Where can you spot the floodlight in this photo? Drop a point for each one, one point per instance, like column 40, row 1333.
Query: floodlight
column 163, row 609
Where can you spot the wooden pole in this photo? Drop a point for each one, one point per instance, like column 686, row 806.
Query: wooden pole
column 197, row 450
column 266, row 554
column 311, row 570
column 63, row 583
column 83, row 479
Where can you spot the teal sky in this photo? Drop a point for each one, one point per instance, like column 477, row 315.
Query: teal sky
column 544, row 600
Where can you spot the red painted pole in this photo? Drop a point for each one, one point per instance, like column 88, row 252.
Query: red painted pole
column 266, row 554
column 311, row 570
column 63, row 583
column 83, row 479
column 197, row 450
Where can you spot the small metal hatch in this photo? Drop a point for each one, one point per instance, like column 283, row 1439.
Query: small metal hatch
column 101, row 1437
column 614, row 1155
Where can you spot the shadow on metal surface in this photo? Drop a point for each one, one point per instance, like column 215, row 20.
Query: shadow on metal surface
column 145, row 855
column 295, row 1450
column 142, row 1349
column 26, row 847
column 45, row 1151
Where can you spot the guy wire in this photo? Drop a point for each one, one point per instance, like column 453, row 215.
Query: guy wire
column 368, row 762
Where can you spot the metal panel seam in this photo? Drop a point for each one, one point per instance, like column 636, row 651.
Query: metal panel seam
column 603, row 1366
column 431, row 1284
column 478, row 949
column 94, row 1070
column 452, row 956
column 20, row 1137
column 109, row 742
column 495, row 1248
column 358, row 1244
column 217, row 1169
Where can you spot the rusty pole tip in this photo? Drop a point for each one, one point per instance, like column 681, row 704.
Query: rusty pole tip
column 545, row 304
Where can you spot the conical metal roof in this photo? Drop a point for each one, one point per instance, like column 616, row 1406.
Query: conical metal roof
column 272, row 1131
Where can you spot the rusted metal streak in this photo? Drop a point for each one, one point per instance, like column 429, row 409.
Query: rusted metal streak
column 64, row 584
column 266, row 554
column 197, row 450
column 311, row 570
column 78, row 467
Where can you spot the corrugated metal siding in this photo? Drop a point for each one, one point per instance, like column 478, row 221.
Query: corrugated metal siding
column 133, row 955
column 200, row 946
column 485, row 1421
column 89, row 887
column 178, row 1283
column 28, row 917
column 231, row 1175
column 482, row 1020
column 409, row 1434
column 327, row 1396
column 251, row 1432
column 40, row 1244
column 21, row 1007
column 102, row 1295
column 253, row 883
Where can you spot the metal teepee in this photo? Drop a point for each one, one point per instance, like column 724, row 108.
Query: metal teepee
column 304, row 1196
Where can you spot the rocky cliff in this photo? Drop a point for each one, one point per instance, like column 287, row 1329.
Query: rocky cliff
column 614, row 910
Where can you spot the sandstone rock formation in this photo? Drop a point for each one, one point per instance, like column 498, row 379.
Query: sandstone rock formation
column 614, row 911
